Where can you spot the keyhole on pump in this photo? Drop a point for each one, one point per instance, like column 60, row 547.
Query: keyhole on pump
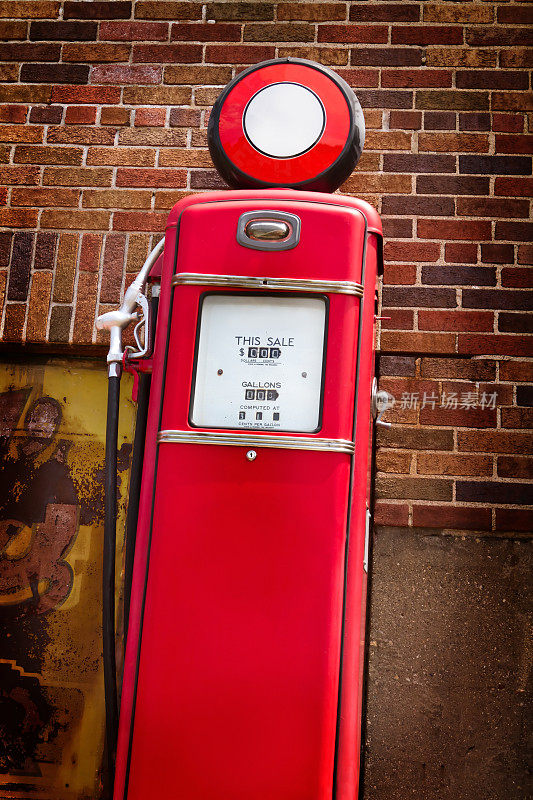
column 304, row 374
column 220, row 371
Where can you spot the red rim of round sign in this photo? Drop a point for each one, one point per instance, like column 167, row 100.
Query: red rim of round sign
column 323, row 165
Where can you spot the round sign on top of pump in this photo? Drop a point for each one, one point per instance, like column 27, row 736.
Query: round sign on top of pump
column 286, row 123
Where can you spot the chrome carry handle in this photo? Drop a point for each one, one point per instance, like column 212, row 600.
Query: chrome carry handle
column 381, row 401
column 119, row 319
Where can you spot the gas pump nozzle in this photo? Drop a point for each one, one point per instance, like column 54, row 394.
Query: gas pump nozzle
column 115, row 321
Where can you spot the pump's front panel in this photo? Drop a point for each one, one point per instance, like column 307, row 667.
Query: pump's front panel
column 237, row 679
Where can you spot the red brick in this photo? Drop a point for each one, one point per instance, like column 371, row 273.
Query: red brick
column 497, row 253
column 96, row 52
column 91, row 246
column 117, row 156
column 399, row 274
column 491, row 79
column 250, row 11
column 453, row 464
column 474, row 121
column 414, row 162
column 238, row 53
column 465, row 253
column 156, row 95
column 13, row 29
column 21, row 133
column 388, row 513
column 85, row 311
column 18, row 218
column 121, row 74
column 49, row 115
column 80, row 115
column 493, row 344
column 20, row 266
column 462, row 13
column 512, row 101
column 199, row 32
column 387, row 57
column 514, row 519
column 85, row 94
column 514, row 231
column 427, row 34
column 329, row 56
column 63, row 31
column 80, row 135
column 517, row 418
column 508, row 123
column 453, row 229
column 406, row 120
column 513, row 187
column 185, row 117
column 44, row 197
column 459, row 417
column 19, row 175
column 13, row 114
column 28, row 51
column 525, row 254
column 139, row 221
column 169, row 178
column 418, row 342
column 115, row 116
column 407, row 79
column 452, row 184
column 45, row 250
column 518, row 57
column 492, row 207
column 96, row 10
column 114, row 258
column 515, row 467
column 150, row 116
column 498, row 35
column 14, row 322
column 459, row 368
column 514, row 144
column 455, row 320
column 397, row 461
column 412, row 251
column 439, row 120
column 76, row 220
column 403, row 488
column 116, row 198
column 520, row 278
column 366, row 34
column 453, row 142
column 400, row 319
column 452, row 516
column 280, row 32
column 134, row 31
column 168, row 10
column 458, row 275
column 82, row 176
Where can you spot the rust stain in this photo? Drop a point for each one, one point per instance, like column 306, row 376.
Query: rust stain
column 52, row 424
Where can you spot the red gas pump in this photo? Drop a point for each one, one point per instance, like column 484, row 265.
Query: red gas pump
column 243, row 667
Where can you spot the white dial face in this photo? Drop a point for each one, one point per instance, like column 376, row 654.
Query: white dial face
column 259, row 363
column 284, row 120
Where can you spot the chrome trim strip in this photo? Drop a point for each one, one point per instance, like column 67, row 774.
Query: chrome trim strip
column 287, row 284
column 250, row 440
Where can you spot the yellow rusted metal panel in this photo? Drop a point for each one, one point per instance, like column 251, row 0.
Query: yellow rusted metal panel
column 52, row 435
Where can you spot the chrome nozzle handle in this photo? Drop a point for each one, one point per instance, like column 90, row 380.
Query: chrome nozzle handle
column 115, row 321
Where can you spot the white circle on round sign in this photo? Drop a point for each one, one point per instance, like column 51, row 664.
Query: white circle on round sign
column 284, row 120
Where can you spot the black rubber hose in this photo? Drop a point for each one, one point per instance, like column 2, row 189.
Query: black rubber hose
column 108, row 586
column 134, row 493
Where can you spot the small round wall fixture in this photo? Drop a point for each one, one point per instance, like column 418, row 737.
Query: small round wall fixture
column 286, row 123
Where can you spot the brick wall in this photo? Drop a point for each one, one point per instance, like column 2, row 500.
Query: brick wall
column 104, row 123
